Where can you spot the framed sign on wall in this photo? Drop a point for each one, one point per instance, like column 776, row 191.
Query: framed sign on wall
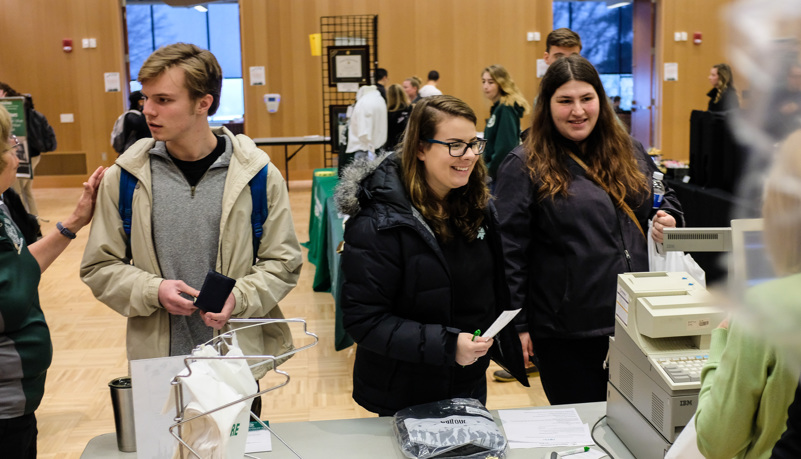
column 348, row 64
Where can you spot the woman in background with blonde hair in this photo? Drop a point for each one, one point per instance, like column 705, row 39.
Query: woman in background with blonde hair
column 503, row 126
column 723, row 95
column 412, row 87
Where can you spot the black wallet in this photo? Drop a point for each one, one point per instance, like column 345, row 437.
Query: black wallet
column 216, row 289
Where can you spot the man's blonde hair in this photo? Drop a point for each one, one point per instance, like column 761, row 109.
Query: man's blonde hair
column 201, row 69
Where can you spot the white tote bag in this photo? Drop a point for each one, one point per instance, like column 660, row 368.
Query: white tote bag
column 214, row 383
column 672, row 261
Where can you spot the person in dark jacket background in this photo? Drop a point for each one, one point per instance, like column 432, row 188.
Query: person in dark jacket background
column 723, row 95
column 398, row 110
column 423, row 266
column 503, row 126
column 564, row 198
column 134, row 125
column 41, row 138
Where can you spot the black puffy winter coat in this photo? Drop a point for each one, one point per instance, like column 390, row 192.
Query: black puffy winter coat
column 563, row 255
column 396, row 298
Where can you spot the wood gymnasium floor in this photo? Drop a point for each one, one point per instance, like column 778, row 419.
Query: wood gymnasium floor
column 89, row 349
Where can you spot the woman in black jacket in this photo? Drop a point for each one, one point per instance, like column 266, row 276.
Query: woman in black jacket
column 723, row 95
column 572, row 202
column 423, row 267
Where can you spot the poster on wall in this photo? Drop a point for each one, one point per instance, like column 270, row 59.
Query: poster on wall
column 19, row 128
column 258, row 76
column 112, row 81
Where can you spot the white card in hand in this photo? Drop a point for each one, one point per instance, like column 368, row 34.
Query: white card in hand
column 500, row 322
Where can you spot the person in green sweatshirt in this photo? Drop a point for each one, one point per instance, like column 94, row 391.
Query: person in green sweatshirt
column 25, row 346
column 749, row 382
column 503, row 126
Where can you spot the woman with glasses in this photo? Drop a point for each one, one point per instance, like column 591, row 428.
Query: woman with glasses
column 25, row 348
column 574, row 203
column 503, row 126
column 423, row 267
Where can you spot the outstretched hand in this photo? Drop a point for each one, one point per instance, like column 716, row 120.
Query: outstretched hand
column 83, row 212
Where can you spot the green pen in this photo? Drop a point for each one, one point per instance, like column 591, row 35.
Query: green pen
column 475, row 334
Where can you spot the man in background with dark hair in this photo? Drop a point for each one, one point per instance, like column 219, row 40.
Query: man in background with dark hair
column 381, row 80
column 560, row 43
column 430, row 88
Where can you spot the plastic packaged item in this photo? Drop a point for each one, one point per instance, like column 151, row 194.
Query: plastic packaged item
column 659, row 190
column 453, row 428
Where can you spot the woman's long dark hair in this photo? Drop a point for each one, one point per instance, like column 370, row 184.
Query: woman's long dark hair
column 462, row 207
column 607, row 150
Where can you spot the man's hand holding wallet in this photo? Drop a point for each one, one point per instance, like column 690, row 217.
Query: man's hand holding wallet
column 216, row 300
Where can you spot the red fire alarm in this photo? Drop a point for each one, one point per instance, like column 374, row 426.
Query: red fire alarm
column 66, row 44
column 697, row 38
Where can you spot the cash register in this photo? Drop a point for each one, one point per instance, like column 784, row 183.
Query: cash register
column 663, row 326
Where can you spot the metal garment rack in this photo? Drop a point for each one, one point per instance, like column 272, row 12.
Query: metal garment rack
column 337, row 31
column 223, row 339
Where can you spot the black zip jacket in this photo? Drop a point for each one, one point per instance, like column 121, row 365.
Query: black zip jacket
column 563, row 255
column 397, row 297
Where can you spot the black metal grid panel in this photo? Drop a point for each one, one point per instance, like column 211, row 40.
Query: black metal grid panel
column 338, row 31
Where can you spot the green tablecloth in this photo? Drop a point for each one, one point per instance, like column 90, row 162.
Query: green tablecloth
column 323, row 183
column 335, row 235
column 325, row 235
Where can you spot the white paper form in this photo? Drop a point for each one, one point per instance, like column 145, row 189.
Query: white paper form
column 591, row 454
column 500, row 322
column 544, row 428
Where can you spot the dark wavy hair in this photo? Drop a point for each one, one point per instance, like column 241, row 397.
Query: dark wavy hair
column 608, row 148
column 462, row 208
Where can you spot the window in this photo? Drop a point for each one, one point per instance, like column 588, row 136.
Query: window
column 606, row 36
column 153, row 26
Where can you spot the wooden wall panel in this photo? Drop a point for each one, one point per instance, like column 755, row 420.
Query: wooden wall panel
column 456, row 37
column 677, row 99
column 33, row 62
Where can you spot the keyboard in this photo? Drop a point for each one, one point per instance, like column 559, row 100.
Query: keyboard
column 682, row 372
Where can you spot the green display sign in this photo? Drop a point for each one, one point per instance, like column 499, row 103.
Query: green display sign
column 16, row 108
column 19, row 127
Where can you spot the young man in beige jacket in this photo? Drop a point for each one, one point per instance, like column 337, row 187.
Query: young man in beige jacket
column 191, row 213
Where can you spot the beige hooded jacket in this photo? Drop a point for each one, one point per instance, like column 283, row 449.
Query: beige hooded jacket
column 132, row 288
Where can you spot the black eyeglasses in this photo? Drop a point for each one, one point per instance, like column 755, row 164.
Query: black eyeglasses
column 15, row 143
column 459, row 148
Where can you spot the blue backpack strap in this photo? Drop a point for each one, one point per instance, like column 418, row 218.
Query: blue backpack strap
column 258, row 193
column 127, row 186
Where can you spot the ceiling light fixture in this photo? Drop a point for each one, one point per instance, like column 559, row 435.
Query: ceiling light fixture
column 612, row 5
